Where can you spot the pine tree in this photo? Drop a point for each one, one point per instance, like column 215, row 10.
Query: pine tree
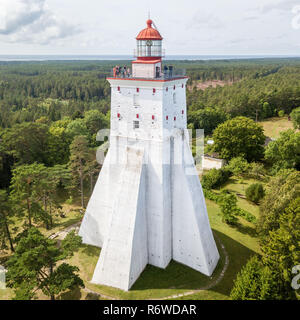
column 5, row 217
column 78, row 162
column 37, row 264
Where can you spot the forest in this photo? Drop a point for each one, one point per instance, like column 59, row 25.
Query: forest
column 50, row 113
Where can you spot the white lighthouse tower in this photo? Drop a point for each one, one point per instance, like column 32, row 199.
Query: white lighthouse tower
column 148, row 205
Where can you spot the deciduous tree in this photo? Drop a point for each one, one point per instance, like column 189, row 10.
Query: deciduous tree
column 239, row 137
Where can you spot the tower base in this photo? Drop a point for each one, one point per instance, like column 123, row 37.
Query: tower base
column 121, row 217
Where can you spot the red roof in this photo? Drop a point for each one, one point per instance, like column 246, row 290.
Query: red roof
column 149, row 33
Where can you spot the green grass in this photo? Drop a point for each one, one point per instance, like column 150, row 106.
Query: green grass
column 274, row 126
column 6, row 294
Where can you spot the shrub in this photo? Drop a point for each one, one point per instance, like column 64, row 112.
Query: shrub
column 246, row 215
column 280, row 113
column 255, row 192
column 254, row 282
column 284, row 151
column 238, row 166
column 228, row 206
column 215, row 178
column 295, row 115
column 210, row 195
column 257, row 170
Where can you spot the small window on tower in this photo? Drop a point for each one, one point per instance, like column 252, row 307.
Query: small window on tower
column 137, row 89
column 182, row 85
column 154, row 90
column 167, row 89
column 136, row 124
column 119, row 89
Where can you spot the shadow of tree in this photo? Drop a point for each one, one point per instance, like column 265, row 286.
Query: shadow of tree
column 91, row 250
column 68, row 223
column 70, row 295
column 92, row 296
column 245, row 229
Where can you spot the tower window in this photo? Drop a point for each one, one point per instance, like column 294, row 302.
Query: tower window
column 174, row 118
column 119, row 89
column 182, row 85
column 154, row 90
column 167, row 89
column 137, row 89
column 167, row 117
column 174, row 87
column 136, row 124
column 182, row 111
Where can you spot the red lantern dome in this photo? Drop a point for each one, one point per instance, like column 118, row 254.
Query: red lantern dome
column 149, row 33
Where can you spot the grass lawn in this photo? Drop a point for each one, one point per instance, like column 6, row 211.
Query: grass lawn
column 6, row 294
column 274, row 126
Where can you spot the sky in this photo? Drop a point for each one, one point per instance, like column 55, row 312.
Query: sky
column 189, row 27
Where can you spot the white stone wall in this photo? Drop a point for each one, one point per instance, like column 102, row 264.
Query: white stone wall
column 125, row 253
column 193, row 241
column 174, row 108
column 211, row 163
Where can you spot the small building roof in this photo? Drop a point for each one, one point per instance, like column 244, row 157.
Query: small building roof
column 211, row 142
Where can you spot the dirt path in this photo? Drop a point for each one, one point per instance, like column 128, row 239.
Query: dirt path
column 210, row 83
column 211, row 285
column 60, row 235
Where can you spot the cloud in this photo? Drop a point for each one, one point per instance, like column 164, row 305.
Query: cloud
column 205, row 20
column 281, row 5
column 31, row 21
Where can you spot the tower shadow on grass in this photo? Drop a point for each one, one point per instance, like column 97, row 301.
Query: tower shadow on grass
column 179, row 276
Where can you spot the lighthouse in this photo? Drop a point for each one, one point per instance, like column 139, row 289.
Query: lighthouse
column 148, row 206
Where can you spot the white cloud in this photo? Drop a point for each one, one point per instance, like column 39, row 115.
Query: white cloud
column 110, row 27
column 207, row 20
column 279, row 5
column 31, row 21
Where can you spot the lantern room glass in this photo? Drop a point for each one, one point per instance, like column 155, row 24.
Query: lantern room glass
column 149, row 48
